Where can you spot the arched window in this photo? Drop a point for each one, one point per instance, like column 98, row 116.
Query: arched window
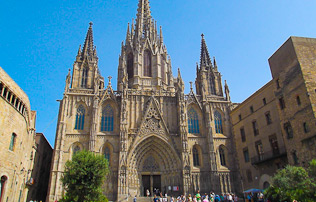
column 80, row 118
column 218, row 122
column 107, row 154
column 107, row 118
column 222, row 156
column 130, row 62
column 84, row 78
column 147, row 63
column 193, row 121
column 76, row 149
column 163, row 73
column 12, row 142
column 2, row 188
column 196, row 161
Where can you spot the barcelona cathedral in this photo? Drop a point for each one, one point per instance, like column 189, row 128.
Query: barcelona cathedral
column 153, row 134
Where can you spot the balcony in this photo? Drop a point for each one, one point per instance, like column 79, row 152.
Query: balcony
column 269, row 155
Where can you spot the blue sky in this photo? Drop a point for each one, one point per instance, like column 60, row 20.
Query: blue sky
column 39, row 40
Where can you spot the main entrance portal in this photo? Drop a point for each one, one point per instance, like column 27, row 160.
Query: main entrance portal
column 152, row 183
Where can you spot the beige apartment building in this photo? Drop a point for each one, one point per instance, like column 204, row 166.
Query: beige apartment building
column 17, row 130
column 259, row 142
column 293, row 68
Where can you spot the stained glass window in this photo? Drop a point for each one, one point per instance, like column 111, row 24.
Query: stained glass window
column 218, row 122
column 80, row 118
column 107, row 118
column 76, row 149
column 107, row 154
column 193, row 121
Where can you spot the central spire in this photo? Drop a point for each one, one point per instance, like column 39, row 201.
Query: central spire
column 143, row 21
column 88, row 47
column 205, row 56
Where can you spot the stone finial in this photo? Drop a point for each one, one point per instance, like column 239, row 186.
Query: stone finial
column 109, row 77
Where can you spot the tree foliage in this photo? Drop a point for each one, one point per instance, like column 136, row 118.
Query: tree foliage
column 84, row 176
column 293, row 183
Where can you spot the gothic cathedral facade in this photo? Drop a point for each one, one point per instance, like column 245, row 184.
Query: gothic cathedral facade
column 153, row 134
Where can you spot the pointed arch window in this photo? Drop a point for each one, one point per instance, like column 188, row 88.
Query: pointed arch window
column 107, row 154
column 147, row 63
column 163, row 73
column 2, row 187
column 130, row 62
column 218, row 122
column 76, row 149
column 84, row 78
column 80, row 118
column 196, row 160
column 193, row 121
column 107, row 118
column 222, row 156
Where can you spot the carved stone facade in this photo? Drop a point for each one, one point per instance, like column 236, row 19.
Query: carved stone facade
column 154, row 136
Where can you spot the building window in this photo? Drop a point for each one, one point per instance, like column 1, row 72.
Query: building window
column 196, row 161
column 193, row 121
column 218, row 122
column 251, row 109
column 277, row 83
column 264, row 101
column 294, row 156
column 163, row 73
column 249, row 176
column 242, row 134
column 107, row 118
column 75, row 150
column 147, row 63
column 107, row 154
column 130, row 64
column 274, row 145
column 281, row 102
column 222, row 156
column 306, row 128
column 268, row 118
column 80, row 118
column 84, row 78
column 255, row 128
column 239, row 116
column 298, row 100
column 246, row 155
column 288, row 129
column 259, row 149
column 12, row 142
column 2, row 188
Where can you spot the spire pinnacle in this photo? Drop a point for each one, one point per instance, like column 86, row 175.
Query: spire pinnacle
column 88, row 47
column 128, row 36
column 161, row 36
column 205, row 56
column 143, row 20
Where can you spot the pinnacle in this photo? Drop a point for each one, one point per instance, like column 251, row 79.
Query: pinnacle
column 88, row 47
column 205, row 56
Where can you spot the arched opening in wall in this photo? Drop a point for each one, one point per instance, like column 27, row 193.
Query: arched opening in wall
column 76, row 149
column 147, row 63
column 222, row 156
column 12, row 142
column 84, row 78
column 193, row 121
column 130, row 65
column 196, row 156
column 107, row 154
column 107, row 120
column 79, row 125
column 2, row 188
column 163, row 73
column 212, row 85
column 218, row 122
column 266, row 185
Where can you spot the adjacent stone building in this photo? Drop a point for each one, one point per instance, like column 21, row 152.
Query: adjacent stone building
column 17, row 130
column 258, row 136
column 41, row 169
column 293, row 68
column 153, row 134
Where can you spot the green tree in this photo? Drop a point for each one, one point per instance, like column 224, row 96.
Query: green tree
column 291, row 183
column 84, row 176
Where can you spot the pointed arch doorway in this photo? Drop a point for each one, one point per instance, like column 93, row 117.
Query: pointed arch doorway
column 153, row 164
